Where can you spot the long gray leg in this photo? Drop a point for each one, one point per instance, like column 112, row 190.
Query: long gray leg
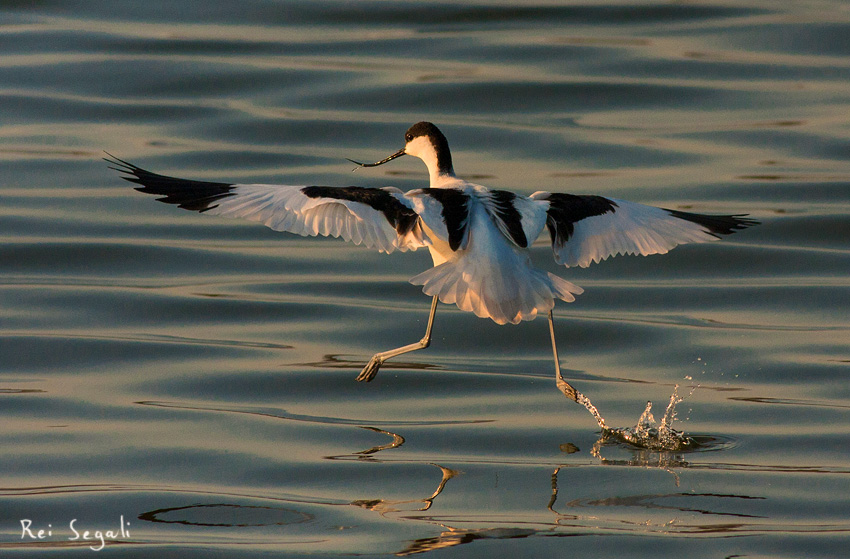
column 371, row 368
column 563, row 385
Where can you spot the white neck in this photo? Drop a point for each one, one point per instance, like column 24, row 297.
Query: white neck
column 422, row 148
column 436, row 177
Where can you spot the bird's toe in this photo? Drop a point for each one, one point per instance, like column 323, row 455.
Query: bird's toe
column 370, row 370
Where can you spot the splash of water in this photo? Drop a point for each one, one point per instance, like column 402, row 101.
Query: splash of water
column 654, row 435
column 647, row 433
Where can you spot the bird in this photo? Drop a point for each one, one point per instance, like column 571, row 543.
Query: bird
column 479, row 239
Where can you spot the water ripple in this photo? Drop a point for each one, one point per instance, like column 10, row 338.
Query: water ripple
column 194, row 375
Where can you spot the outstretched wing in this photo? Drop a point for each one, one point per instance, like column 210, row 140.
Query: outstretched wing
column 379, row 218
column 587, row 229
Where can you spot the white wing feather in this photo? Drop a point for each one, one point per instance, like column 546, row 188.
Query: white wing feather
column 631, row 228
column 287, row 208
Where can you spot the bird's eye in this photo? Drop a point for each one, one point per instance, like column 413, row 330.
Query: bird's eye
column 408, row 137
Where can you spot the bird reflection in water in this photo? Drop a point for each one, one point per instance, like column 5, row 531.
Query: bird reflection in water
column 383, row 506
column 642, row 441
column 450, row 538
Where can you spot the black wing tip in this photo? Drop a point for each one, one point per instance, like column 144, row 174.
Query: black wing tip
column 187, row 194
column 743, row 221
column 717, row 225
column 118, row 164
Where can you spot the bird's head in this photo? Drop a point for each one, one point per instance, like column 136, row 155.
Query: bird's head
column 425, row 141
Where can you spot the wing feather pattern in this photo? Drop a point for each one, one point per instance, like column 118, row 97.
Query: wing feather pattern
column 588, row 229
column 381, row 218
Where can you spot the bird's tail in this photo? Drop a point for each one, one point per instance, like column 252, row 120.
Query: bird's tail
column 504, row 290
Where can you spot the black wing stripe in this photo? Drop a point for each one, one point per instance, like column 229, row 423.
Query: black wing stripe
column 455, row 212
column 399, row 216
column 716, row 224
column 565, row 210
column 198, row 196
column 509, row 216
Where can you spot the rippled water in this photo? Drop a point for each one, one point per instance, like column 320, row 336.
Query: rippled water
column 194, row 376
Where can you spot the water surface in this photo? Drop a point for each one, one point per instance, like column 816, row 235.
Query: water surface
column 195, row 375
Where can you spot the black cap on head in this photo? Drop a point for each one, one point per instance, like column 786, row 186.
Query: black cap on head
column 438, row 140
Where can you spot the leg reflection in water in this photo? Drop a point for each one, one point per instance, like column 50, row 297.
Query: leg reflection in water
column 383, row 506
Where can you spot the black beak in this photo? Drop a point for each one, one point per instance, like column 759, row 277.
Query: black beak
column 399, row 153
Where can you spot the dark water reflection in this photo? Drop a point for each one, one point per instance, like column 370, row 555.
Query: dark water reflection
column 195, row 375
